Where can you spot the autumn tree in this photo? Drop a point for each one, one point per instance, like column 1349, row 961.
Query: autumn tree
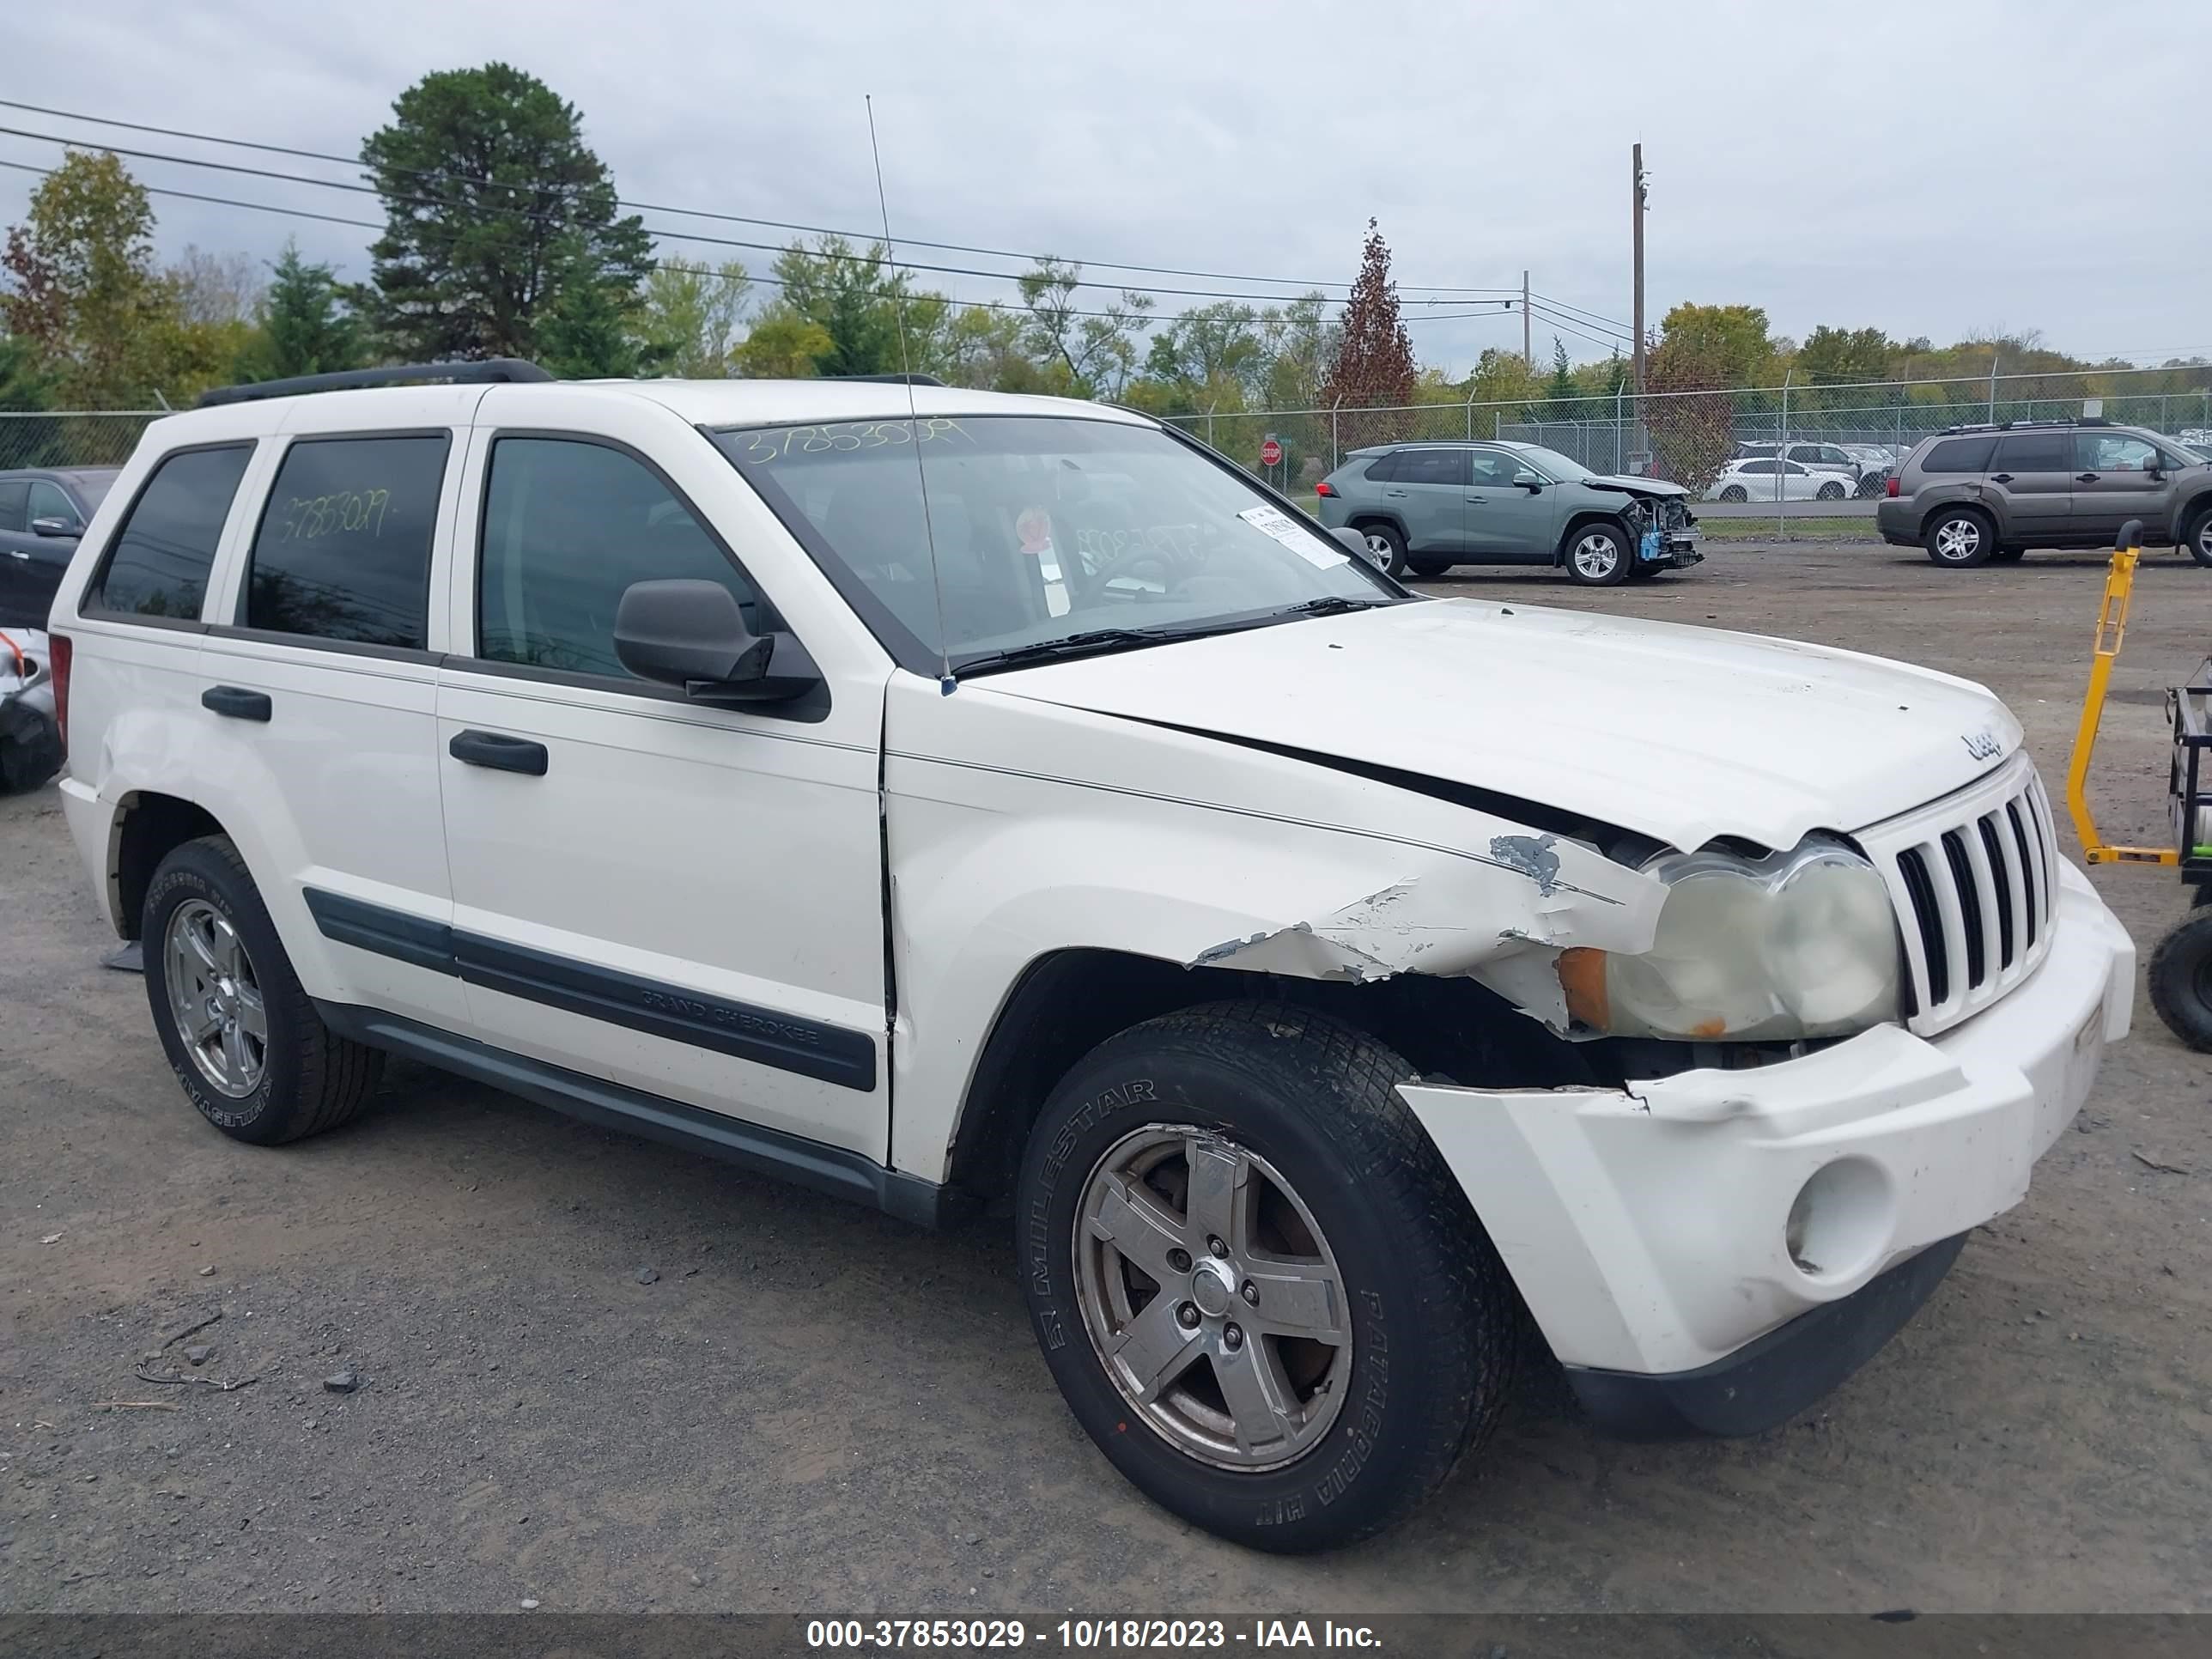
column 1840, row 356
column 690, row 316
column 1374, row 356
column 1731, row 343
column 496, row 215
column 81, row 290
column 1690, row 414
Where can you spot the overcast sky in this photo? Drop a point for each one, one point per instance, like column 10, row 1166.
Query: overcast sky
column 1927, row 169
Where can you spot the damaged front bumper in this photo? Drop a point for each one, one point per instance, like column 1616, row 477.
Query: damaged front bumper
column 1660, row 1231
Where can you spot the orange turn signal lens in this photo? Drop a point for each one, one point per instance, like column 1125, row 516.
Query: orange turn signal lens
column 1581, row 977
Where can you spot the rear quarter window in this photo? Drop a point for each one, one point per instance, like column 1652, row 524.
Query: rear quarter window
column 159, row 564
column 1959, row 455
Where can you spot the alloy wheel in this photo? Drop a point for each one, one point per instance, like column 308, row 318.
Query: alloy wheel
column 1211, row 1298
column 1958, row 538
column 1594, row 557
column 215, row 998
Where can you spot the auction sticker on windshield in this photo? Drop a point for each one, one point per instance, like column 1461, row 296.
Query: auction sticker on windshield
column 1273, row 521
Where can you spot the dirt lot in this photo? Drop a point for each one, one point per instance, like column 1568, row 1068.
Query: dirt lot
column 817, row 1409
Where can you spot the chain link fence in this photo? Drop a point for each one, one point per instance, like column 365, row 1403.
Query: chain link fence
column 1689, row 435
column 71, row 438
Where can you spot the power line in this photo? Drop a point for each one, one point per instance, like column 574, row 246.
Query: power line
column 1614, row 325
column 701, row 270
column 693, row 213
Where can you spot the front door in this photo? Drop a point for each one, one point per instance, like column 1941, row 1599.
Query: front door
column 678, row 898
column 1508, row 522
column 2120, row 476
column 1427, row 489
column 2030, row 482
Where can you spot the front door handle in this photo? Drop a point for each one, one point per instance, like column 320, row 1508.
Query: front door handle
column 18, row 553
column 500, row 752
column 2000, row 478
column 1476, row 499
column 2085, row 477
column 236, row 702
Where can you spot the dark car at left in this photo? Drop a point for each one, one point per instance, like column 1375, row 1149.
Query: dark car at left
column 42, row 511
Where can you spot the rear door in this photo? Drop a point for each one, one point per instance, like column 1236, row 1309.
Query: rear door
column 2120, row 476
column 17, row 588
column 2030, row 482
column 319, row 686
column 1507, row 522
column 1428, row 489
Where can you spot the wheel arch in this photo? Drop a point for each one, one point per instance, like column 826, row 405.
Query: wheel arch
column 150, row 825
column 1365, row 516
column 1580, row 521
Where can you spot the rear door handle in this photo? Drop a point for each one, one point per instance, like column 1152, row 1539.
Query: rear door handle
column 2085, row 477
column 17, row 553
column 235, row 703
column 1475, row 498
column 2000, row 478
column 1402, row 494
column 499, row 752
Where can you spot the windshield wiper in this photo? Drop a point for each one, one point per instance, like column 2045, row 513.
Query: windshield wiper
column 1333, row 605
column 1090, row 643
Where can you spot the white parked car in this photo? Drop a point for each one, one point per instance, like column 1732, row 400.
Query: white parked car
column 1754, row 479
column 642, row 748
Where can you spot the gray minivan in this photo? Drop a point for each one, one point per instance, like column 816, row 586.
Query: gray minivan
column 1973, row 494
column 1425, row 508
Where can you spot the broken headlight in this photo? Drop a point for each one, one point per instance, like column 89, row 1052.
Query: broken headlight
column 1801, row 943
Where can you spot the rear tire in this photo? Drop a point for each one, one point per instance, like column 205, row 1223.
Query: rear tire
column 1428, row 568
column 1736, row 493
column 2196, row 535
column 1598, row 556
column 215, row 969
column 1959, row 538
column 2180, row 981
column 1348, row 1218
column 1383, row 539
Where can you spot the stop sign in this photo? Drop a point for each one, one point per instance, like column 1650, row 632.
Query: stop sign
column 1270, row 453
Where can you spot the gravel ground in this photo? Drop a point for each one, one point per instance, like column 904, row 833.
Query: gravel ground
column 813, row 1408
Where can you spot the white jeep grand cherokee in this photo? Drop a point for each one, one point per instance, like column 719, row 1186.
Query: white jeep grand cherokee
column 1002, row 797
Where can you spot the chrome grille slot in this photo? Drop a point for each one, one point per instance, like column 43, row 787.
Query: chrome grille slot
column 1974, row 880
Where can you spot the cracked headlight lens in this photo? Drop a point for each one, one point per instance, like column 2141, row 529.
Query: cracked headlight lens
column 1801, row 943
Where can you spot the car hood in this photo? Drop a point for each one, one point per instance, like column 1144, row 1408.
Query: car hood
column 1682, row 733
column 1631, row 483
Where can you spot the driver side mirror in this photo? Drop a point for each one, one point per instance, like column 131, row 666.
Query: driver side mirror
column 1356, row 541
column 693, row 634
column 1528, row 481
column 57, row 526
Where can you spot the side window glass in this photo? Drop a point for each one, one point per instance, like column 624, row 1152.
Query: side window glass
column 160, row 562
column 14, row 496
column 1959, row 455
column 2107, row 451
column 1384, row 470
column 2033, row 452
column 567, row 526
column 343, row 550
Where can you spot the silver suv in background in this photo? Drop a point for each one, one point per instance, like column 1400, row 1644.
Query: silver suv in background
column 1427, row 507
column 1973, row 494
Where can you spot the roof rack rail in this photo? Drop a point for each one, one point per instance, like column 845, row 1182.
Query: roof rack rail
column 489, row 369
column 890, row 379
column 2060, row 421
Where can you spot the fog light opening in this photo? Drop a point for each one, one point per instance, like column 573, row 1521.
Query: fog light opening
column 1840, row 1220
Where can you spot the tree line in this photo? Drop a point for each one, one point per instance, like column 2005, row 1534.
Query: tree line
column 504, row 236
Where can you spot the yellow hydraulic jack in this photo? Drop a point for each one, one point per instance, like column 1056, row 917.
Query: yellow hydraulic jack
column 2180, row 972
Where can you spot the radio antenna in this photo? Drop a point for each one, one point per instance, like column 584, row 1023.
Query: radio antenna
column 945, row 682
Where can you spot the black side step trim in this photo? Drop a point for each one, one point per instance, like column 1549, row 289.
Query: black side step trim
column 830, row 1053
column 833, row 1170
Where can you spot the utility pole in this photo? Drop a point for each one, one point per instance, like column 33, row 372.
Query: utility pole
column 1636, row 214
column 1527, row 341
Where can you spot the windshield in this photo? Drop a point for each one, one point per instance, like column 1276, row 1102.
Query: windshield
column 1561, row 468
column 1047, row 532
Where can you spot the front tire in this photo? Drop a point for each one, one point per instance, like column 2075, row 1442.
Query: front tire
column 2008, row 556
column 1598, row 556
column 1959, row 538
column 1388, row 547
column 241, row 1034
column 1254, row 1278
column 2196, row 535
column 1829, row 492
column 2179, row 979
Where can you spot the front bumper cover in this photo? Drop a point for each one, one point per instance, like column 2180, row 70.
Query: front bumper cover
column 1649, row 1228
